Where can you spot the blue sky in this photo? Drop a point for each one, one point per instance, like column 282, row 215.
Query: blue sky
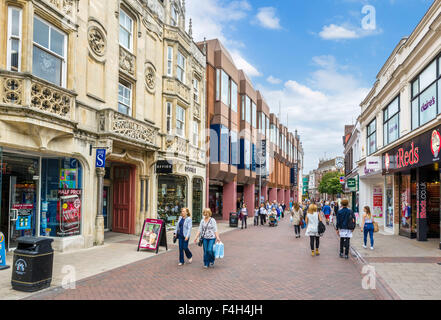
column 316, row 57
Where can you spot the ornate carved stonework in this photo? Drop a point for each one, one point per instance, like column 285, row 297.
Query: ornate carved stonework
column 11, row 91
column 128, row 128
column 197, row 111
column 50, row 100
column 65, row 6
column 127, row 61
column 150, row 77
column 152, row 27
column 97, row 41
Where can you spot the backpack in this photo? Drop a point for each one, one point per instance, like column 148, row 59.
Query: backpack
column 351, row 220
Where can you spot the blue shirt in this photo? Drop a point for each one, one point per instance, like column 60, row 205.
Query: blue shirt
column 327, row 210
column 181, row 228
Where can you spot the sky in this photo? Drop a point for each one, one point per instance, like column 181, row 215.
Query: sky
column 317, row 59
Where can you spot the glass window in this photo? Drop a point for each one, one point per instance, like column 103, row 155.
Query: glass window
column 196, row 90
column 415, row 88
column 415, row 114
column 224, row 145
column 428, row 76
column 198, row 194
column 180, row 121
column 391, row 127
column 174, row 18
column 428, row 105
column 247, row 155
column 243, row 111
column 169, row 118
column 125, row 97
column 253, row 115
column 170, row 61
column 372, row 137
column 218, row 84
column 195, row 133
column 49, row 53
column 234, row 149
column 61, row 197
column 233, row 96
column 225, row 89
column 172, row 197
column 214, row 143
column 125, row 30
column 14, row 39
column 247, row 109
column 181, row 67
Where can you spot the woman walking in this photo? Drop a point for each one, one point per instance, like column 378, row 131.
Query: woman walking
column 208, row 233
column 367, row 227
column 183, row 232
column 244, row 215
column 345, row 226
column 312, row 219
column 296, row 214
column 256, row 216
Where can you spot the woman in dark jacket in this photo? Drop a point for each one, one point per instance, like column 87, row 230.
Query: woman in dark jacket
column 343, row 230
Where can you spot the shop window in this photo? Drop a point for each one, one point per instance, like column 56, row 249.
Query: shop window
column 428, row 105
column 49, row 53
column 253, row 115
column 224, row 145
column 197, row 200
column 125, row 30
column 195, row 133
column 169, row 117
column 172, row 197
column 14, row 38
column 391, row 126
column 372, row 137
column 196, row 90
column 218, row 84
column 61, row 197
column 406, row 198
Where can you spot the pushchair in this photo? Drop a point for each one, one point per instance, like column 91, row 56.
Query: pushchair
column 273, row 220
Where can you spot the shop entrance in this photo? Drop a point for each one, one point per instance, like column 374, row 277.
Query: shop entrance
column 123, row 199
column 19, row 198
column 215, row 200
column 430, row 175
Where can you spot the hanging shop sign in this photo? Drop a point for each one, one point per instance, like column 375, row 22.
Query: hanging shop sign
column 420, row 151
column 100, row 161
column 153, row 235
column 69, row 212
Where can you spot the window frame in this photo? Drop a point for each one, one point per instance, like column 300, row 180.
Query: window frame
column 169, row 117
column 63, row 77
column 13, row 37
column 369, row 135
column 196, row 90
column 389, row 119
column 130, row 106
column 174, row 21
column 180, row 121
column 131, row 32
column 170, row 61
column 181, row 69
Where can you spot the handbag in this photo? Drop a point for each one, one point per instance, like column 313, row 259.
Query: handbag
column 201, row 238
column 175, row 238
column 321, row 228
column 376, row 227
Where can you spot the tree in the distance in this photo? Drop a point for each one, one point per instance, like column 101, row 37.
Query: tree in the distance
column 330, row 184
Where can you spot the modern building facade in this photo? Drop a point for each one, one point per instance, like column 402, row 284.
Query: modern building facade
column 69, row 86
column 400, row 125
column 239, row 119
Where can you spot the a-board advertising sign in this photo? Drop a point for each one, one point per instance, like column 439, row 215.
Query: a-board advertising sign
column 152, row 235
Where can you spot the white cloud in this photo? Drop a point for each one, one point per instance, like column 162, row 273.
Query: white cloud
column 345, row 32
column 211, row 19
column 273, row 80
column 319, row 108
column 267, row 18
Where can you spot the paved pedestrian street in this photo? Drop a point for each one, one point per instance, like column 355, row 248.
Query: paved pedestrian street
column 261, row 263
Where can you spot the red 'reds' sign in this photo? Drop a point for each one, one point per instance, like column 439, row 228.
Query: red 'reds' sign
column 406, row 158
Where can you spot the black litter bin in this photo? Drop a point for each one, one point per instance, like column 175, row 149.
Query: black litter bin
column 33, row 264
column 234, row 219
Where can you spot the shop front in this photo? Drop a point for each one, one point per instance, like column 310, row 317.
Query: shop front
column 40, row 196
column 414, row 167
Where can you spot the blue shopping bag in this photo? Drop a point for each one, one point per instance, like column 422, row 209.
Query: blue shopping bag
column 219, row 250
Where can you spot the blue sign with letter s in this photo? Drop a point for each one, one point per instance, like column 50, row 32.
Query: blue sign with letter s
column 100, row 158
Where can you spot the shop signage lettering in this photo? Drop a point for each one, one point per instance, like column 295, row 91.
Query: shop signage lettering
column 164, row 166
column 190, row 169
column 422, row 208
column 428, row 104
column 406, row 158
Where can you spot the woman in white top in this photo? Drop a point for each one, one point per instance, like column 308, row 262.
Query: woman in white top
column 312, row 219
column 244, row 215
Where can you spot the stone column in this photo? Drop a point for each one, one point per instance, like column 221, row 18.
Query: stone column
column 264, row 193
column 143, row 204
column 229, row 199
column 99, row 221
column 249, row 193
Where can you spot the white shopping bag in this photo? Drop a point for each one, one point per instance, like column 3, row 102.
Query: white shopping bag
column 219, row 250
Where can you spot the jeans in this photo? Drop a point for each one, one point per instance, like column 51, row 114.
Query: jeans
column 369, row 229
column 256, row 220
column 262, row 219
column 344, row 244
column 317, row 242
column 208, row 251
column 183, row 247
column 297, row 230
column 244, row 220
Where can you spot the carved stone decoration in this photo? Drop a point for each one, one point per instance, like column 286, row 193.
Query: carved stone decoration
column 130, row 129
column 152, row 27
column 65, row 6
column 11, row 91
column 50, row 100
column 97, row 41
column 197, row 111
column 150, row 77
column 126, row 61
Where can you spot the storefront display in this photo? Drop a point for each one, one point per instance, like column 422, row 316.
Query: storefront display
column 172, row 197
column 215, row 200
column 197, row 200
column 406, row 219
column 377, row 209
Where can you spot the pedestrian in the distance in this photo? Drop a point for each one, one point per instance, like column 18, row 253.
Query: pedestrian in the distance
column 183, row 232
column 244, row 215
column 263, row 212
column 208, row 233
column 296, row 214
column 256, row 216
column 345, row 226
column 327, row 212
column 312, row 220
column 283, row 209
column 367, row 227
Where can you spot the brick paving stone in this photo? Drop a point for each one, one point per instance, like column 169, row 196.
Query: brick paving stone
column 260, row 263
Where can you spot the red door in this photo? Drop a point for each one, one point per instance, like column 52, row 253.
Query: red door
column 122, row 200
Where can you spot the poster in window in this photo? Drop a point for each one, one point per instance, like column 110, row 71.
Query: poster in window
column 69, row 210
column 68, row 178
column 151, row 234
column 378, row 202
